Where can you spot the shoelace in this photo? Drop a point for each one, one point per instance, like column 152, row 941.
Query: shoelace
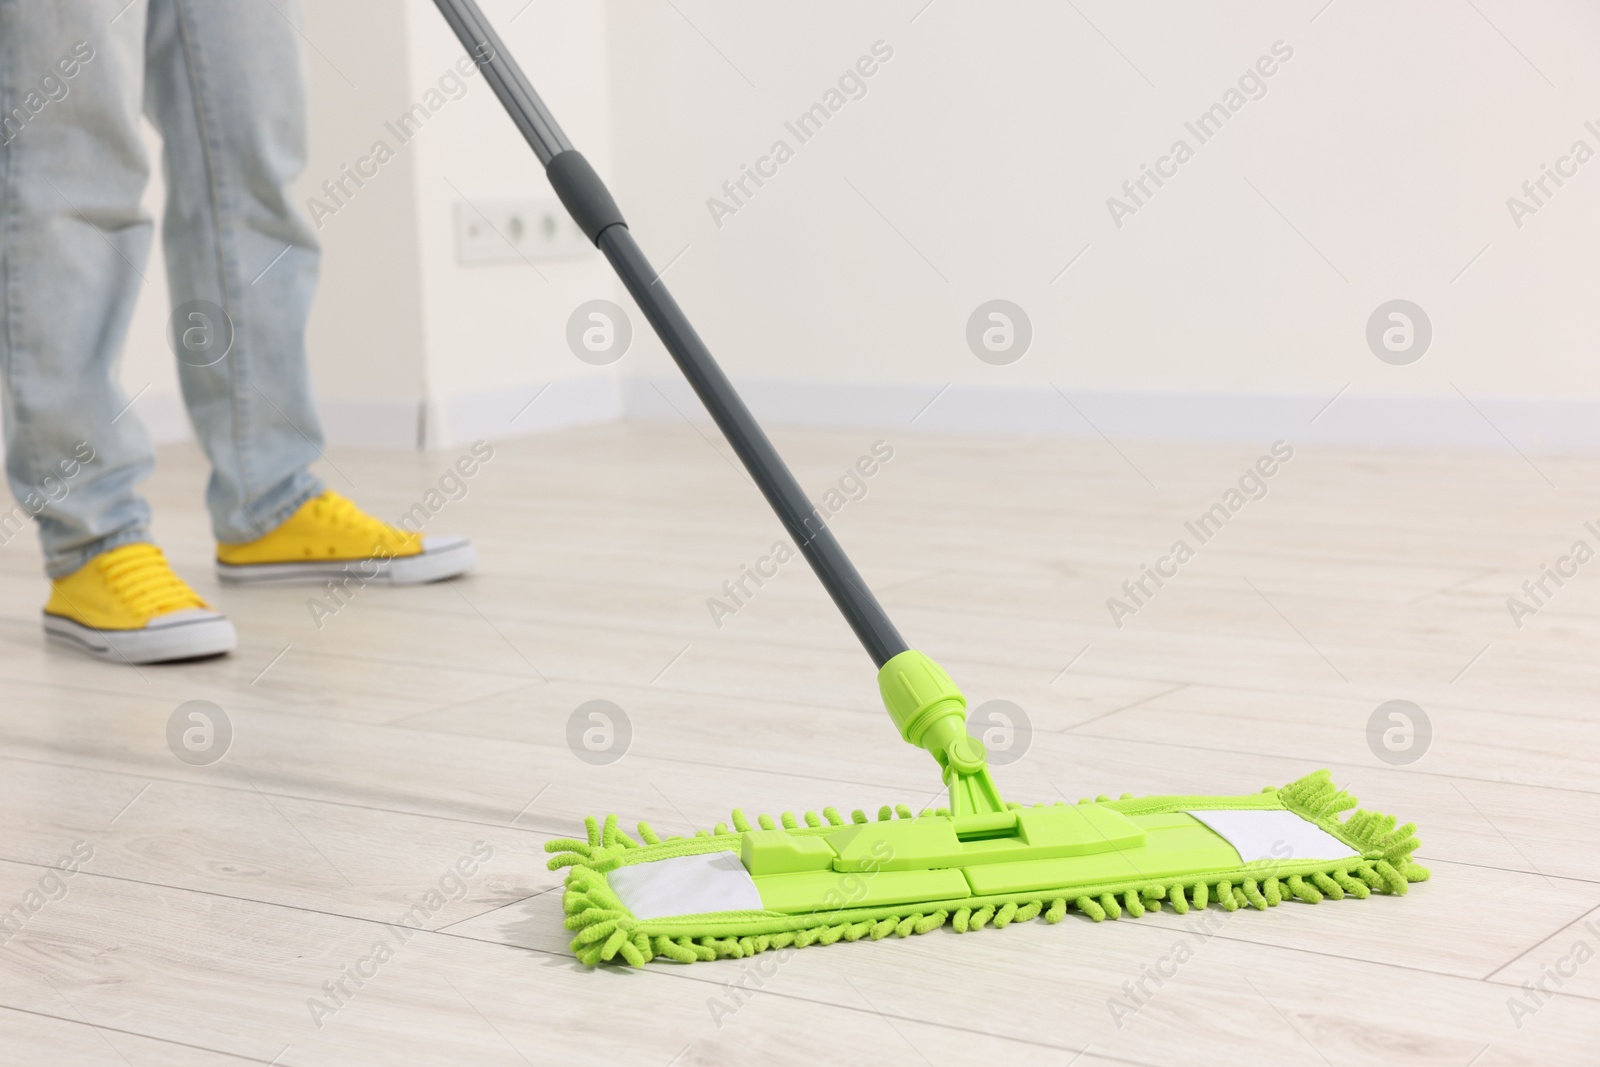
column 341, row 511
column 140, row 578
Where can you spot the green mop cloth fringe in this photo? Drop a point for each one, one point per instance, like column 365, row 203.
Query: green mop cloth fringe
column 605, row 930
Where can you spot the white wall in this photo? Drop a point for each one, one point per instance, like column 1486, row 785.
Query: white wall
column 992, row 140
column 149, row 371
column 1234, row 303
column 495, row 334
column 368, row 354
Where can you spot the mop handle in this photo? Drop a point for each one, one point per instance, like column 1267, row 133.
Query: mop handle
column 592, row 207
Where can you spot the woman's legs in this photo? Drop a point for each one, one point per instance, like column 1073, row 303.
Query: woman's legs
column 226, row 88
column 73, row 245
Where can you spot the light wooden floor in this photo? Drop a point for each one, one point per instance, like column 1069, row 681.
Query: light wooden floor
column 371, row 754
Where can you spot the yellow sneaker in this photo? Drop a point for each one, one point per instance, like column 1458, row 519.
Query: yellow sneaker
column 329, row 538
column 126, row 605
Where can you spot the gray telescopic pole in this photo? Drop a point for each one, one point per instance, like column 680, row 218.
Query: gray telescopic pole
column 591, row 205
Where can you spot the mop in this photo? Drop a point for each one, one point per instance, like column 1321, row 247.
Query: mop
column 747, row 886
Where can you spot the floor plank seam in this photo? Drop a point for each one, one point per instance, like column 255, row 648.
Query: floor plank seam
column 684, row 973
column 1330, row 764
column 1542, row 941
column 229, row 788
column 142, row 1036
column 1125, row 707
column 445, row 931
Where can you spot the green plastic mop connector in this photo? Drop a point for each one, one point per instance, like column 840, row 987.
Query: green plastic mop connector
column 931, row 713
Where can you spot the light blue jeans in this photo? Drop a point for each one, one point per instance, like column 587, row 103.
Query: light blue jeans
column 223, row 82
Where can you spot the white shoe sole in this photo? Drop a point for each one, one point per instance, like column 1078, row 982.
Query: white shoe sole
column 187, row 635
column 440, row 558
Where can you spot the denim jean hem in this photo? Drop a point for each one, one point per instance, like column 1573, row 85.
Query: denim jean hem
column 74, row 561
column 305, row 486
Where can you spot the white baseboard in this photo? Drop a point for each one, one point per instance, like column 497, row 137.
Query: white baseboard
column 494, row 414
column 1537, row 426
column 371, row 423
column 1534, row 425
column 498, row 414
column 359, row 424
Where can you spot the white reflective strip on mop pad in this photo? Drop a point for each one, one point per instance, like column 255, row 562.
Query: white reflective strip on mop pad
column 685, row 885
column 1274, row 835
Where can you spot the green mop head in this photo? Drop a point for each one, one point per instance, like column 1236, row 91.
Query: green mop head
column 737, row 890
column 707, row 896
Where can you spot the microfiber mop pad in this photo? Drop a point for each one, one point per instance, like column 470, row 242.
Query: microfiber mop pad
column 706, row 897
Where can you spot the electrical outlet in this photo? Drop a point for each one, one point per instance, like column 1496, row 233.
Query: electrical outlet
column 498, row 231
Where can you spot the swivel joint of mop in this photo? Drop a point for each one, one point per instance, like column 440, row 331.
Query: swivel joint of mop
column 931, row 713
